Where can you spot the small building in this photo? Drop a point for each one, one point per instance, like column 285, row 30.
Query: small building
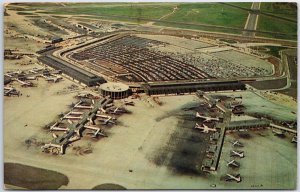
column 248, row 124
column 114, row 90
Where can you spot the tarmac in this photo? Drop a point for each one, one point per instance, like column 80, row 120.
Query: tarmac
column 124, row 158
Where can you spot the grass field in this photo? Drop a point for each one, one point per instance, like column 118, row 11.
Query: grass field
column 203, row 13
column 196, row 13
column 286, row 10
column 241, row 4
column 275, row 25
column 198, row 27
column 149, row 11
column 210, row 13
column 272, row 50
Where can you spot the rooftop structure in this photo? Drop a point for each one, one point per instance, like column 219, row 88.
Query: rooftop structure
column 114, row 90
column 75, row 72
column 190, row 87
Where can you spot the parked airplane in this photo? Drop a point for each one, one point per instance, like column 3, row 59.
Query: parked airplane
column 237, row 153
column 54, row 79
column 8, row 91
column 233, row 163
column 129, row 103
column 116, row 110
column 236, row 178
column 95, row 131
column 204, row 128
column 207, row 119
column 107, row 120
column 35, row 70
column 78, row 106
column 74, row 115
column 236, row 143
column 31, row 78
column 24, row 83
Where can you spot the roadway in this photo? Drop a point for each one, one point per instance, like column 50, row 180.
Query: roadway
column 252, row 19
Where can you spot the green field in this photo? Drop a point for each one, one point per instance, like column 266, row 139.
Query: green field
column 195, row 13
column 200, row 13
column 210, row 13
column 245, row 5
column 275, row 25
column 148, row 11
column 286, row 10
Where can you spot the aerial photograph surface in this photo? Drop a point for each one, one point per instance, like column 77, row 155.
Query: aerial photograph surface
column 150, row 95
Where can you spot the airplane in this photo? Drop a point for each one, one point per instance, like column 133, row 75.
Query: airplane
column 277, row 132
column 233, row 163
column 55, row 79
column 114, row 111
column 12, row 73
column 8, row 91
column 34, row 70
column 129, row 103
column 237, row 153
column 97, row 131
column 78, row 106
column 106, row 121
column 24, row 83
column 74, row 115
column 204, row 128
column 68, row 116
column 31, row 78
column 8, row 75
column 86, row 95
column 230, row 177
column 207, row 119
column 55, row 127
column 117, row 110
column 236, row 143
column 105, row 116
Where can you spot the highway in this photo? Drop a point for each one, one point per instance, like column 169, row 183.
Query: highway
column 252, row 19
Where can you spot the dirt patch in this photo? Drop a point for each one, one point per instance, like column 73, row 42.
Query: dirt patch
column 33, row 142
column 83, row 150
column 109, row 186
column 33, row 178
column 245, row 135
